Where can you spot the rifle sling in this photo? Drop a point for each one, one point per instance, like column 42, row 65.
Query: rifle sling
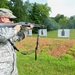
column 24, row 53
column 13, row 45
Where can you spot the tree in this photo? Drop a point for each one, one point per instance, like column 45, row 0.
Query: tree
column 71, row 22
column 39, row 13
column 3, row 4
column 62, row 20
column 18, row 9
column 51, row 24
column 27, row 8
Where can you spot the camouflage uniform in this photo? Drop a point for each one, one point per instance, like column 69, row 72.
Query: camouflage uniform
column 7, row 52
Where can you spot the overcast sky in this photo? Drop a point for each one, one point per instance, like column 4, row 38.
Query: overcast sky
column 65, row 7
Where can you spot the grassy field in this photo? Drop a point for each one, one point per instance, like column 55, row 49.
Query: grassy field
column 54, row 34
column 46, row 64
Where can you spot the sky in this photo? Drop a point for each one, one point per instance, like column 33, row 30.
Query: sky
column 64, row 7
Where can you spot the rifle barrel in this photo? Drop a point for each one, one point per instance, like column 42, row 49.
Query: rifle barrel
column 20, row 23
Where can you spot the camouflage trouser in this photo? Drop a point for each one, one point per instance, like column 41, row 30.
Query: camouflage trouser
column 7, row 62
column 6, row 69
column 7, row 52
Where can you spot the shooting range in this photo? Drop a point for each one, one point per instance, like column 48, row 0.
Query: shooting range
column 42, row 32
column 64, row 33
column 29, row 32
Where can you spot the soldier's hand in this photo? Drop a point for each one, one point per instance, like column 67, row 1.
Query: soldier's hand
column 31, row 26
column 18, row 27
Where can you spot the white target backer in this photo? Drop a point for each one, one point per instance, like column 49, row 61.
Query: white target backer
column 42, row 32
column 63, row 32
column 29, row 32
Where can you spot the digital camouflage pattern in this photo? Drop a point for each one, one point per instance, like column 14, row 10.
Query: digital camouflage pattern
column 7, row 52
column 6, row 13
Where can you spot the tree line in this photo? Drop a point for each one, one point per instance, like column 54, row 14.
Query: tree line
column 38, row 14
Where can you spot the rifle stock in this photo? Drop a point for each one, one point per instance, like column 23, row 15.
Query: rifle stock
column 20, row 23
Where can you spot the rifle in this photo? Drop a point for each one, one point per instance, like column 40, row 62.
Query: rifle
column 26, row 25
column 21, row 23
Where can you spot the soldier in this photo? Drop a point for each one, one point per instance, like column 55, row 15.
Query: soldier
column 8, row 36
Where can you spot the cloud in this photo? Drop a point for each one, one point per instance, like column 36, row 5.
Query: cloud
column 64, row 7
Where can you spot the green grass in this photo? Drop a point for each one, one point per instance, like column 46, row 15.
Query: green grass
column 54, row 34
column 72, row 36
column 46, row 64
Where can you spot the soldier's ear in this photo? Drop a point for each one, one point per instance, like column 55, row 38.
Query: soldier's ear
column 2, row 19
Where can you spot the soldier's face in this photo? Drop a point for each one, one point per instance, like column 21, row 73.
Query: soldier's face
column 5, row 19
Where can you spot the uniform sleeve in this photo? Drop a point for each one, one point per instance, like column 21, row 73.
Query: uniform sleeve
column 7, row 33
column 20, row 35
